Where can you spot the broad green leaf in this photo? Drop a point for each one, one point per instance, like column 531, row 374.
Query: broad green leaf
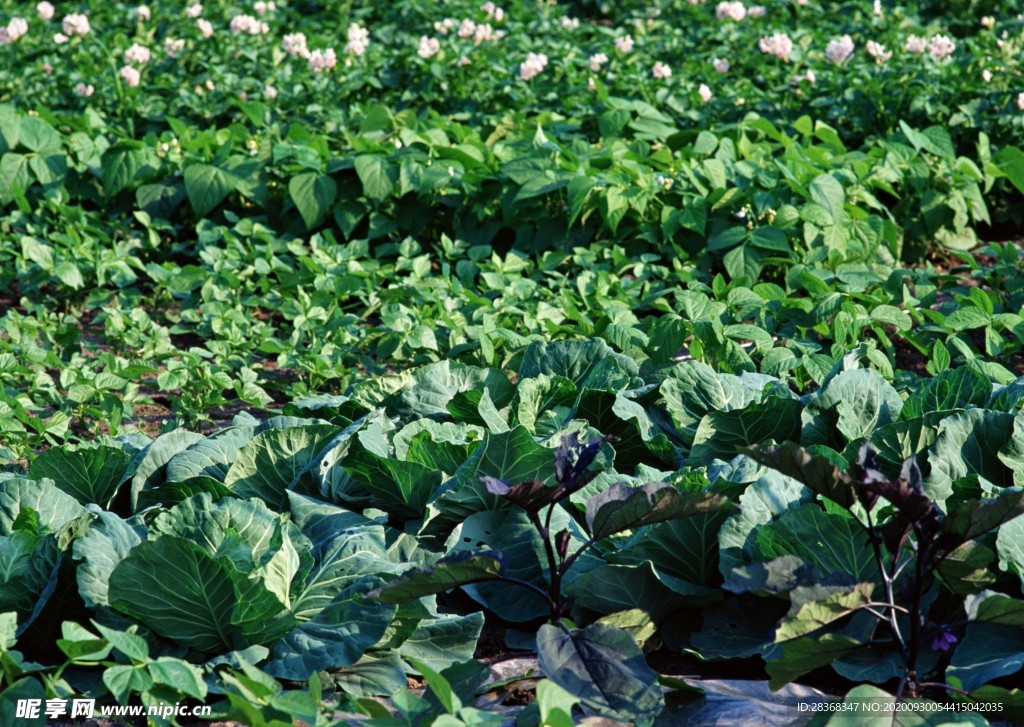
column 435, row 385
column 854, row 404
column 313, row 195
column 805, row 654
column 209, row 457
column 957, row 388
column 151, row 470
column 968, row 568
column 28, row 573
column 897, row 441
column 972, row 519
column 693, row 389
column 15, row 176
column 512, row 456
column 179, row 675
column 459, row 568
column 609, row 589
column 14, row 695
column 338, row 636
column 124, row 680
column 80, row 644
column 321, row 522
column 817, row 473
column 396, row 485
column 345, row 547
column 119, row 166
column 738, row 628
column 38, row 136
column 622, row 507
column 170, row 494
column 439, row 686
column 207, row 186
column 587, row 364
column 996, row 608
column 181, row 592
column 662, row 544
column 634, row 621
column 246, row 532
column 770, row 495
column 89, row 474
column 835, row 543
column 128, row 642
column 511, row 533
column 969, row 443
column 378, row 675
column 54, row 507
column 376, row 175
column 814, row 607
column 827, row 192
column 443, row 641
column 1011, row 162
column 441, row 446
column 603, row 666
column 272, row 462
column 743, row 262
column 1010, row 547
column 106, row 543
column 722, row 434
column 555, row 704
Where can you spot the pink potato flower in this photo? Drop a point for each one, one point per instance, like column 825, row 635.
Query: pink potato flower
column 294, row 44
column 130, row 76
column 941, row 46
column 730, row 11
column 428, row 47
column 534, row 64
column 878, row 52
column 358, row 40
column 322, row 60
column 75, row 24
column 137, row 54
column 839, row 50
column 776, row 44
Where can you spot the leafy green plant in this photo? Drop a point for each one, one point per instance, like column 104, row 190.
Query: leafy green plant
column 916, row 548
column 572, row 658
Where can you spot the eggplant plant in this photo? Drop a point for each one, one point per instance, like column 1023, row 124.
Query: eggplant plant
column 601, row 664
column 919, row 550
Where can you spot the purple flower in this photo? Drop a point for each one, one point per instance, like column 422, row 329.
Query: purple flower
column 944, row 639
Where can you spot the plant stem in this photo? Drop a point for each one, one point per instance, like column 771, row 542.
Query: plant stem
column 915, row 623
column 567, row 563
column 890, row 598
column 885, row 605
column 946, row 687
column 554, row 595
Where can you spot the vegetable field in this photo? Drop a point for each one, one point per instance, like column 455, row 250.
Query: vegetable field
column 438, row 363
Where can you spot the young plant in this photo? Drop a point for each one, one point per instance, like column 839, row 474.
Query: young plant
column 911, row 542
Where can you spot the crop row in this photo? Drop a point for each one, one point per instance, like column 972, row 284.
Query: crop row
column 808, row 251
column 858, row 66
column 259, row 543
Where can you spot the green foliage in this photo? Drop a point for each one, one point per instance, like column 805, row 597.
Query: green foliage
column 295, row 362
